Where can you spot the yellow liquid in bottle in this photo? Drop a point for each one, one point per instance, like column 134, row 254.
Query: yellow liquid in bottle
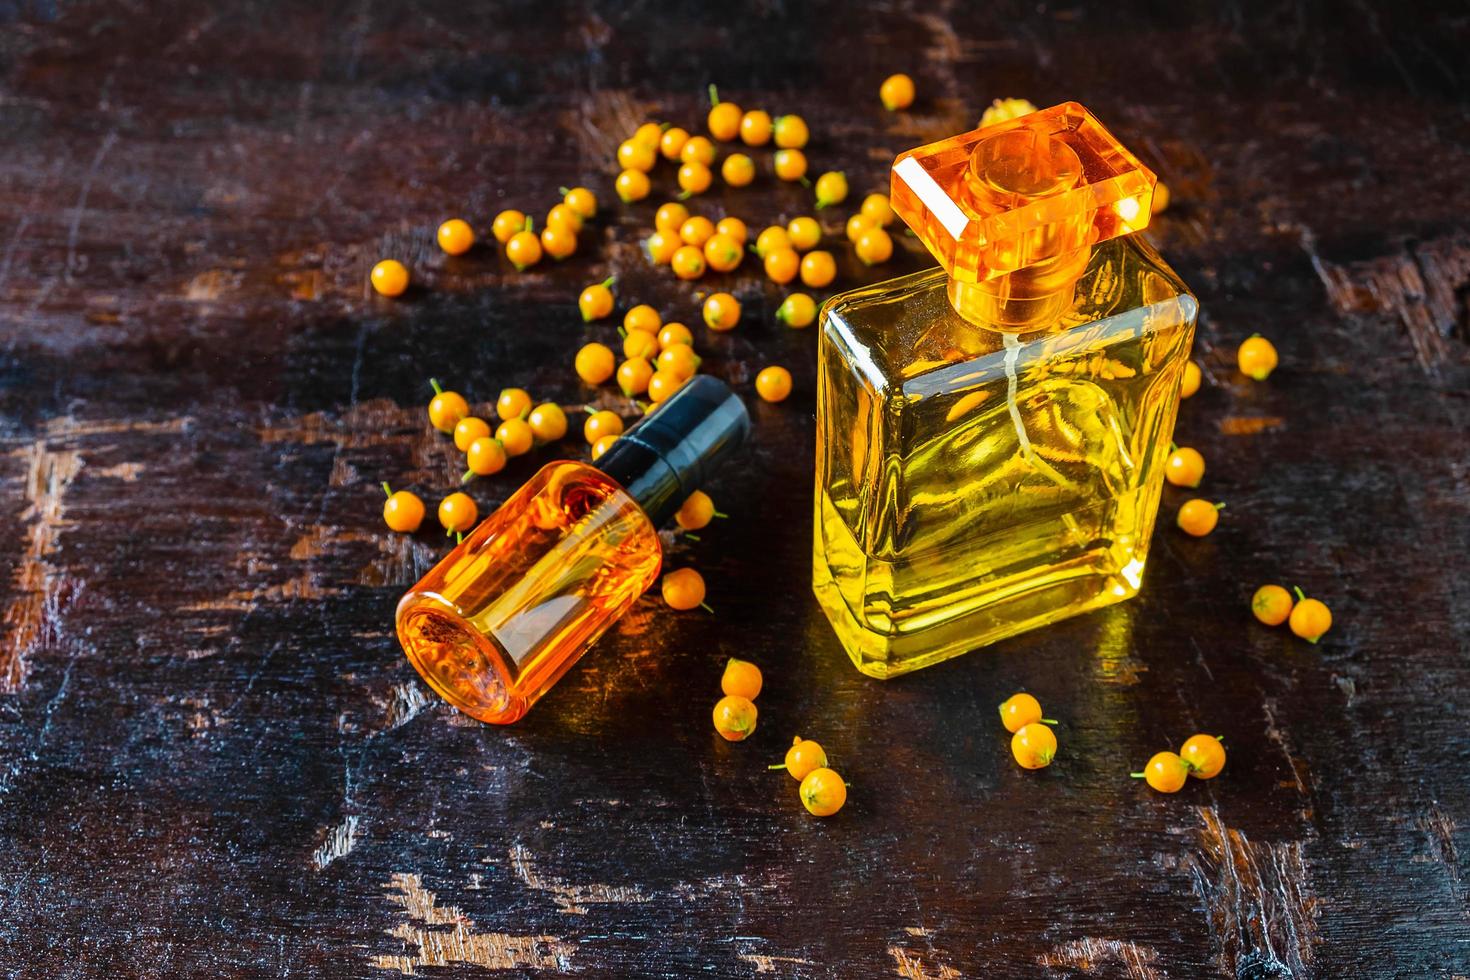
column 496, row 623
column 973, row 484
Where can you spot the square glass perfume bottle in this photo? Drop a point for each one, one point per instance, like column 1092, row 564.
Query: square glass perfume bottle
column 991, row 435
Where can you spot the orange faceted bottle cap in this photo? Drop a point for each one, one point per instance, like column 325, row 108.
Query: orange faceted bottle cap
column 1027, row 191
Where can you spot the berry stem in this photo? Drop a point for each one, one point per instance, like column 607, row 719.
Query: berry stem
column 705, row 606
column 608, row 282
column 468, row 476
column 1136, row 775
column 458, row 537
column 721, row 515
column 1300, row 596
column 781, row 766
column 714, row 95
column 692, row 536
column 386, row 489
column 434, row 383
column 1048, row 721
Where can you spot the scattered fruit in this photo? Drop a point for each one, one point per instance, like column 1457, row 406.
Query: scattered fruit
column 602, row 445
column 822, row 792
column 741, row 679
column 634, row 375
column 733, row 227
column 698, row 150
column 721, row 312
column 678, row 360
column 772, row 239
column 557, row 241
column 457, row 512
column 1185, row 467
column 402, row 511
column 1020, row 710
column 672, row 142
column 1034, row 746
column 878, row 210
column 564, row 216
column 874, row 246
column 663, row 384
column 506, row 224
column 1198, row 517
column 782, row 265
column 735, row 718
column 1203, row 756
column 1310, row 618
column 1004, row 110
column 548, row 422
column 1256, row 357
column 790, row 132
column 636, row 155
column 640, row 343
column 804, row 757
column 524, row 248
column 649, row 134
column 755, row 128
column 632, row 185
column 674, row 333
column 670, row 217
column 896, row 92
column 722, row 253
column 513, row 403
column 856, row 225
column 486, row 457
column 1165, row 772
column 683, row 589
column 790, row 164
column 1271, row 605
column 818, row 268
column 738, row 170
column 582, row 201
column 1190, row 384
column 773, row 384
column 694, row 178
column 696, row 512
column 804, row 233
column 662, row 246
column 688, row 262
column 455, row 236
column 467, row 431
column 595, row 363
column 831, row 188
column 600, row 425
column 596, row 301
column 724, row 117
column 515, row 437
column 696, row 231
column 797, row 310
column 1161, row 198
column 389, row 277
column 447, row 408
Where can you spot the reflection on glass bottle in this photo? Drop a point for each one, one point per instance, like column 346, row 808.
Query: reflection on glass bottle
column 506, row 613
column 991, row 434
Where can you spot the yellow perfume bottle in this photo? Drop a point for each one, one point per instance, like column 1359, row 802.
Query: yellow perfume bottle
column 991, row 434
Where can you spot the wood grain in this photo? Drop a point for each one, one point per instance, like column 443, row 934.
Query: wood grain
column 214, row 761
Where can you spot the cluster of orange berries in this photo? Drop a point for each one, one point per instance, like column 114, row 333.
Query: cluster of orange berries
column 1201, row 756
column 1307, row 618
column 1033, row 743
column 1185, row 467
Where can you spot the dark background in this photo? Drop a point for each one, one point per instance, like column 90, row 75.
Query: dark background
column 213, row 758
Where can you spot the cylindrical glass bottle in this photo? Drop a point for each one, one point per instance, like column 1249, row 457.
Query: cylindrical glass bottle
column 506, row 613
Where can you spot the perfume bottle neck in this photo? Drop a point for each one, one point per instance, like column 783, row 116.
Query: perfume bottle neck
column 1024, row 300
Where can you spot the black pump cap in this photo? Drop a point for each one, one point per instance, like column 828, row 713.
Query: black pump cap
column 673, row 450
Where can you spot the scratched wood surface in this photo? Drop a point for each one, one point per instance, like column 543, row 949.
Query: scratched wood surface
column 215, row 762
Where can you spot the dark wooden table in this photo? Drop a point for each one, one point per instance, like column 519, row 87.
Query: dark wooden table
column 214, row 760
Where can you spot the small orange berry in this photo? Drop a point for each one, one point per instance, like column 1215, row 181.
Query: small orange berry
column 722, row 252
column 698, row 150
column 1203, row 756
column 1271, row 605
column 695, row 178
column 402, row 511
column 515, row 437
column 640, row 343
column 596, row 300
column 683, row 589
column 558, row 241
column 1034, row 746
column 1161, row 198
column 633, row 155
column 672, row 142
column 513, row 403
column 486, row 457
column 670, row 217
column 818, row 269
column 741, row 679
column 1256, row 357
column 1198, row 517
column 389, row 277
column 782, row 265
column 696, row 512
column 457, row 512
column 772, row 239
column 634, row 375
column 601, row 424
column 735, row 718
column 696, row 231
column 877, row 209
column 446, row 408
column 724, row 118
column 1310, row 618
column 524, row 248
column 874, row 246
column 548, row 422
column 1003, row 110
column 1165, row 772
column 721, row 312
column 804, row 232
column 1185, row 467
column 663, row 384
column 468, row 430
column 661, row 247
column 642, row 317
column 582, row 201
column 1018, row 711
column 773, row 384
column 738, row 170
column 797, row 310
column 649, row 134
column 679, row 360
column 507, row 223
column 455, row 236
column 566, row 216
column 790, row 132
column 1190, row 384
column 856, row 225
column 831, row 188
column 733, row 227
column 602, row 445
column 822, row 792
column 674, row 333
column 804, row 757
column 688, row 262
column 755, row 128
column 896, row 92
column 632, row 185
column 790, row 164
column 595, row 363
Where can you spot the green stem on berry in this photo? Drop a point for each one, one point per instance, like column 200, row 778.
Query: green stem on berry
column 387, row 489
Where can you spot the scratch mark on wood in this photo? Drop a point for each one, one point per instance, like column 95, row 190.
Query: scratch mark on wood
column 912, row 967
column 303, row 586
column 571, row 899
column 772, row 964
column 407, row 701
column 339, row 842
column 31, row 614
column 1247, row 425
column 1104, row 957
column 1278, row 738
column 1439, row 827
column 458, row 943
column 1258, row 901
column 1420, row 287
column 126, row 472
